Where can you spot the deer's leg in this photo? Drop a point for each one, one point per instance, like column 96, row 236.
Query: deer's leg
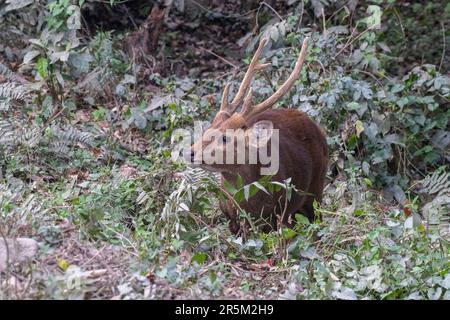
column 230, row 212
column 317, row 190
column 307, row 208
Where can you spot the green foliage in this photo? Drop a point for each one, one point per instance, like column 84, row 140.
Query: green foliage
column 85, row 141
column 393, row 261
column 378, row 121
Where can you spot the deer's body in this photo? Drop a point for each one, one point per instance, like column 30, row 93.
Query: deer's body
column 303, row 158
column 302, row 147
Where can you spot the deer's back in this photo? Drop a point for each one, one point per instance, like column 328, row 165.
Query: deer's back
column 303, row 158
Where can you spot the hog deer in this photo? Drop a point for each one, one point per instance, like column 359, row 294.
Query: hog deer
column 302, row 150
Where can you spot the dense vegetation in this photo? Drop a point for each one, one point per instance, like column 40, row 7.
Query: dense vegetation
column 90, row 99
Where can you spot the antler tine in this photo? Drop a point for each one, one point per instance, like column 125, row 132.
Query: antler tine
column 224, row 102
column 285, row 87
column 247, row 102
column 254, row 66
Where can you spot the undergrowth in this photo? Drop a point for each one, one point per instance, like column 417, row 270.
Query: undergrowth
column 86, row 136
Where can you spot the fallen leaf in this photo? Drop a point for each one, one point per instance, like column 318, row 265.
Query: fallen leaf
column 81, row 116
column 63, row 264
column 128, row 171
column 407, row 212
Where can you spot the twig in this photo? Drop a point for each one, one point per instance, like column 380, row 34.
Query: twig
column 259, row 9
column 443, row 46
column 221, row 58
column 299, row 22
column 373, row 77
column 336, row 12
column 256, row 271
column 55, row 115
column 221, row 236
column 135, row 252
column 131, row 18
column 321, row 65
column 350, row 42
column 350, row 239
column 270, row 7
column 400, row 21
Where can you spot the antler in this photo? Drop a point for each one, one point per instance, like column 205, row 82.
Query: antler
column 254, row 66
column 248, row 111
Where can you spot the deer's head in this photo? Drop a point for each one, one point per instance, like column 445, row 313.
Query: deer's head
column 232, row 134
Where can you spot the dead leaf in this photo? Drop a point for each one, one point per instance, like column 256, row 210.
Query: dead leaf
column 128, row 171
column 81, row 116
column 407, row 212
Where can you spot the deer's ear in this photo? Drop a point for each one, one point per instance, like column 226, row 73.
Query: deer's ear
column 260, row 133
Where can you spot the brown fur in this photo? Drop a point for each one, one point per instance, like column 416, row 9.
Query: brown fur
column 303, row 157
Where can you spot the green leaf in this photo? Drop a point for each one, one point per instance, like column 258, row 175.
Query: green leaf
column 260, row 187
column 424, row 150
column 359, row 128
column 239, row 182
column 288, row 233
column 229, row 187
column 279, row 184
column 301, row 219
column 353, row 106
column 239, row 196
column 374, row 19
column 30, row 55
column 62, row 264
column 352, row 142
column 289, row 194
column 368, row 182
column 247, row 192
column 42, row 67
column 199, row 257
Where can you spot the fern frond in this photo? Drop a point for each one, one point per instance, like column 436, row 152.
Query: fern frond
column 59, row 147
column 14, row 134
column 196, row 176
column 10, row 90
column 12, row 191
column 437, row 211
column 435, row 183
column 5, row 104
column 70, row 134
column 6, row 72
column 30, row 137
column 23, row 206
column 7, row 131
